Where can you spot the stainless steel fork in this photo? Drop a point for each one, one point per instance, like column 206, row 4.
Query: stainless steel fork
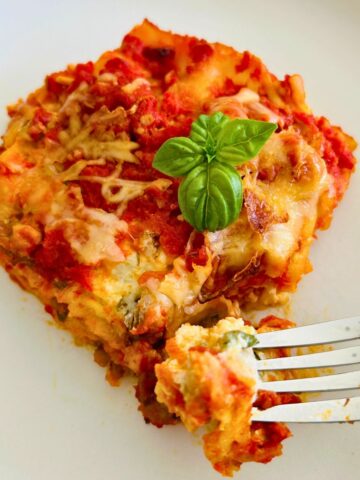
column 343, row 410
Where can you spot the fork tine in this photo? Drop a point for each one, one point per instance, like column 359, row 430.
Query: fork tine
column 316, row 334
column 344, row 410
column 343, row 356
column 341, row 381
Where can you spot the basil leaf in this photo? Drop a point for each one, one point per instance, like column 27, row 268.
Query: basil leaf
column 241, row 140
column 177, row 156
column 205, row 129
column 210, row 197
column 237, row 338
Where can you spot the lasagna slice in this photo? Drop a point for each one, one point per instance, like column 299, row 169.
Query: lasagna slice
column 94, row 231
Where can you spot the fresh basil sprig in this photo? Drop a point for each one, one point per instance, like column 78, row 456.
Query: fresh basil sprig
column 210, row 196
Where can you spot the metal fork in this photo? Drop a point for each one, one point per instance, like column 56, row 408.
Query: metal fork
column 343, row 410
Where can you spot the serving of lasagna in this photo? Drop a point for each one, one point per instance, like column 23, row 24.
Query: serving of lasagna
column 92, row 229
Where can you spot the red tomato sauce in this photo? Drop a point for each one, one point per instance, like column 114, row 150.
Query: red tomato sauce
column 199, row 50
column 91, row 191
column 197, row 253
column 158, row 212
column 153, row 411
column 55, row 260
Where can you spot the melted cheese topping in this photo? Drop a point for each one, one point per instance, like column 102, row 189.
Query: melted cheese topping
column 182, row 286
column 292, row 198
column 127, row 189
column 90, row 232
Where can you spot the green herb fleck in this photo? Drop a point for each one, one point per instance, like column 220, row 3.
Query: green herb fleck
column 237, row 338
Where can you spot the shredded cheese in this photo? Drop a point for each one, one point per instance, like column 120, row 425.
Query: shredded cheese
column 134, row 85
column 129, row 190
column 73, row 172
column 118, row 149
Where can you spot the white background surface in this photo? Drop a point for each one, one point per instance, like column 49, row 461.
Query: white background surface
column 58, row 418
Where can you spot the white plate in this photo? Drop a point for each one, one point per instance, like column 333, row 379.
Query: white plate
column 58, row 418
